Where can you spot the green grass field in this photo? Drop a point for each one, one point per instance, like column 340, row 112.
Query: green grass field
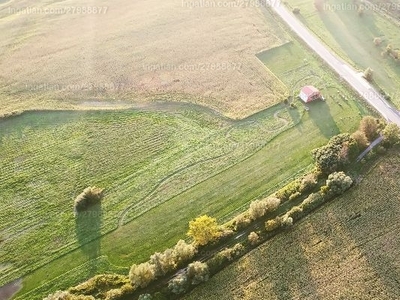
column 351, row 37
column 348, row 249
column 156, row 180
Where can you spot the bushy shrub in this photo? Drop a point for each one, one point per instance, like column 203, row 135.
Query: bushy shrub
column 231, row 253
column 89, row 196
column 286, row 221
column 391, row 134
column 100, row 284
column 197, row 272
column 253, row 238
column 273, row 224
column 294, row 196
column 307, row 183
column 338, row 183
column 145, row 297
column 259, row 208
column 179, row 284
column 121, row 293
column 141, row 275
column 369, row 125
column 284, row 193
column 312, row 201
column 241, row 221
column 163, row 262
column 295, row 212
column 361, row 139
column 184, row 252
column 63, row 295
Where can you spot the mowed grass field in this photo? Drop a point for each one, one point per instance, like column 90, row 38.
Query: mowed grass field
column 331, row 254
column 57, row 54
column 162, row 170
column 351, row 36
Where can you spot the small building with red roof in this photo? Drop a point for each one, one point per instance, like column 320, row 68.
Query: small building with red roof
column 309, row 93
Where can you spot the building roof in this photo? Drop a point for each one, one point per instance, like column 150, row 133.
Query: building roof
column 309, row 90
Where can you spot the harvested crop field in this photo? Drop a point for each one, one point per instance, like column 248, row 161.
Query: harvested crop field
column 348, row 249
column 56, row 54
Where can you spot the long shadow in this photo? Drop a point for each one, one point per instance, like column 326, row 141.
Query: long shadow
column 375, row 231
column 88, row 230
column 291, row 278
column 321, row 116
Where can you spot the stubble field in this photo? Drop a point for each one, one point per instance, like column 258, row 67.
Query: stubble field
column 57, row 54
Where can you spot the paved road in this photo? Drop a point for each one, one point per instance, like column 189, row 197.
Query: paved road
column 345, row 71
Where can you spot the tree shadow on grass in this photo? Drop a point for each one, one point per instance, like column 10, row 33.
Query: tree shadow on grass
column 292, row 278
column 88, row 231
column 295, row 115
column 321, row 116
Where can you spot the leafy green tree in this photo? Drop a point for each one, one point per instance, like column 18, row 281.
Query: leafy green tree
column 368, row 74
column 336, row 154
column 204, row 230
column 361, row 139
column 338, row 183
column 391, row 134
column 369, row 125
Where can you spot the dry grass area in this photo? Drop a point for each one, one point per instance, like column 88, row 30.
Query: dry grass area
column 349, row 249
column 55, row 54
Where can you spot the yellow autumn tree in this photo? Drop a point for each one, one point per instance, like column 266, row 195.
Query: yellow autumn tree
column 204, row 230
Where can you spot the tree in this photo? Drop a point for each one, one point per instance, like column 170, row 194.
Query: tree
column 336, row 154
column 184, row 251
column 296, row 10
column 204, row 230
column 141, row 275
column 369, row 126
column 259, row 208
column 391, row 134
column 377, row 41
column 338, row 183
column 89, row 196
column 178, row 284
column 253, row 238
column 308, row 182
column 197, row 272
column 368, row 74
column 361, row 139
column 163, row 262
